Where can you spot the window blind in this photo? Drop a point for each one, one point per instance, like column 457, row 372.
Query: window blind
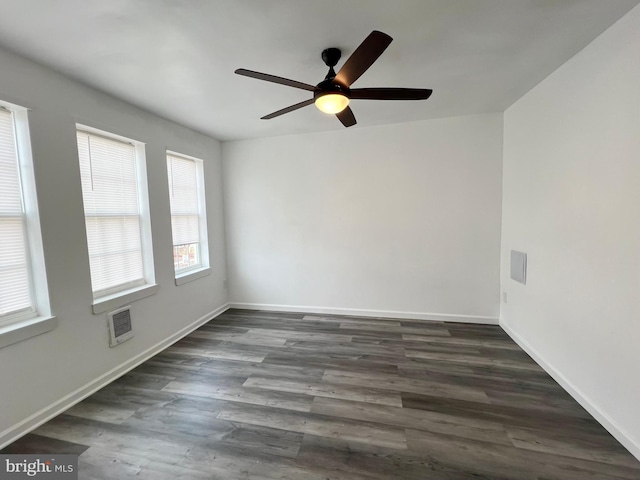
column 185, row 212
column 15, row 291
column 112, row 213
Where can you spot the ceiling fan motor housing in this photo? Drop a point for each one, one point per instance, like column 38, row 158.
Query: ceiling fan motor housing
column 328, row 86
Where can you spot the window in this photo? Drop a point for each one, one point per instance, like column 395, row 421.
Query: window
column 15, row 288
column 115, row 200
column 23, row 285
column 188, row 217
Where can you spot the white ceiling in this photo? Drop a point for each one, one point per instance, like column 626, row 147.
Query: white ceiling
column 176, row 57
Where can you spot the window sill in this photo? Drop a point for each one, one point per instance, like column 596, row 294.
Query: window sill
column 192, row 275
column 120, row 299
column 18, row 331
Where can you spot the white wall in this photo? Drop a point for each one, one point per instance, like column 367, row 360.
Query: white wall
column 38, row 372
column 572, row 202
column 386, row 220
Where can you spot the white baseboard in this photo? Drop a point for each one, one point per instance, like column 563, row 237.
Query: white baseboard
column 11, row 434
column 355, row 312
column 610, row 425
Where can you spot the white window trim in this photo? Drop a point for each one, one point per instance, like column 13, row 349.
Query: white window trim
column 39, row 319
column 191, row 275
column 19, row 331
column 199, row 271
column 111, row 302
column 104, row 302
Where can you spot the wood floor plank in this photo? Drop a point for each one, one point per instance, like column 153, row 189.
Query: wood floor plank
column 293, row 335
column 402, row 330
column 491, row 459
column 352, row 348
column 587, row 447
column 178, row 358
column 236, row 313
column 434, row 347
column 144, row 380
column 166, row 420
column 363, row 320
column 361, row 323
column 474, row 360
column 266, row 440
column 289, row 401
column 354, row 362
column 324, row 389
column 461, row 341
column 166, row 450
column 470, row 330
column 219, row 352
column 128, row 397
column 240, row 338
column 397, row 383
column 507, row 415
column 241, row 369
column 200, row 373
column 111, row 436
column 536, row 400
column 32, row 443
column 99, row 463
column 216, row 325
column 101, row 411
column 351, row 458
column 416, row 419
column 292, row 326
column 192, row 458
column 486, row 378
column 361, row 432
column 189, row 404
column 230, row 463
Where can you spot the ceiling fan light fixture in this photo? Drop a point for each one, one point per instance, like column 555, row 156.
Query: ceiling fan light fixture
column 332, row 102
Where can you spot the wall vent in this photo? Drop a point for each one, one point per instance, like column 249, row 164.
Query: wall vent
column 519, row 266
column 120, row 329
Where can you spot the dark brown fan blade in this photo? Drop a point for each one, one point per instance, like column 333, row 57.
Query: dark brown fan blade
column 272, row 78
column 288, row 109
column 390, row 93
column 363, row 57
column 347, row 117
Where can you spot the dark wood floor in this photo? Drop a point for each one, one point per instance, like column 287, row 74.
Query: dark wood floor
column 293, row 396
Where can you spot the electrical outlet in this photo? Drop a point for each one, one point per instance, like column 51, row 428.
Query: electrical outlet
column 504, row 297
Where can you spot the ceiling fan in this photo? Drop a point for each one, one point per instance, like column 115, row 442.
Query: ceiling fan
column 332, row 95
